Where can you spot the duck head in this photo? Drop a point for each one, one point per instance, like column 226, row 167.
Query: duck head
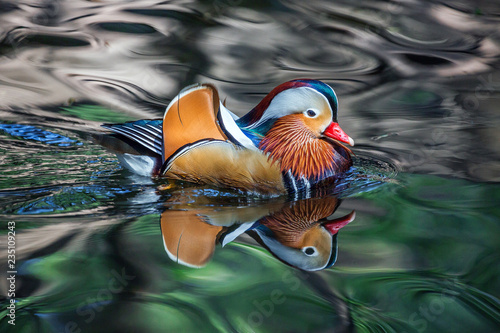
column 296, row 125
column 301, row 235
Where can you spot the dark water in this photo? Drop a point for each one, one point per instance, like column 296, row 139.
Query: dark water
column 419, row 90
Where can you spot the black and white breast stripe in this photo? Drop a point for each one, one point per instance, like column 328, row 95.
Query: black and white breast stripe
column 299, row 188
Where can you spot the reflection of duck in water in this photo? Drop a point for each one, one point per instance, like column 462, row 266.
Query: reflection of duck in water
column 297, row 233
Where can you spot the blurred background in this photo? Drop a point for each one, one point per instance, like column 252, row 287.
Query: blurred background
column 419, row 89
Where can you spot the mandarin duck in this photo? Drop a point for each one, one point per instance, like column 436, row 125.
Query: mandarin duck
column 290, row 142
column 297, row 233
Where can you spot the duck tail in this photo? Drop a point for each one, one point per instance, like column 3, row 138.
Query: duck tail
column 138, row 144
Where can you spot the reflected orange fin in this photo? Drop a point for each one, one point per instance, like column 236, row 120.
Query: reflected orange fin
column 187, row 239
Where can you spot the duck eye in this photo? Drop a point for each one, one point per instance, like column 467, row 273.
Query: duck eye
column 311, row 113
column 309, row 251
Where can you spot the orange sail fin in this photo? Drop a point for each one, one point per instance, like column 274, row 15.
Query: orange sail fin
column 190, row 117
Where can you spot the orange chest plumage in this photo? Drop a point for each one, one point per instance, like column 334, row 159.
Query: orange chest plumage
column 291, row 145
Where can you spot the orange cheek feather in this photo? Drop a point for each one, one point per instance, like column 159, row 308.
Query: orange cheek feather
column 316, row 125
